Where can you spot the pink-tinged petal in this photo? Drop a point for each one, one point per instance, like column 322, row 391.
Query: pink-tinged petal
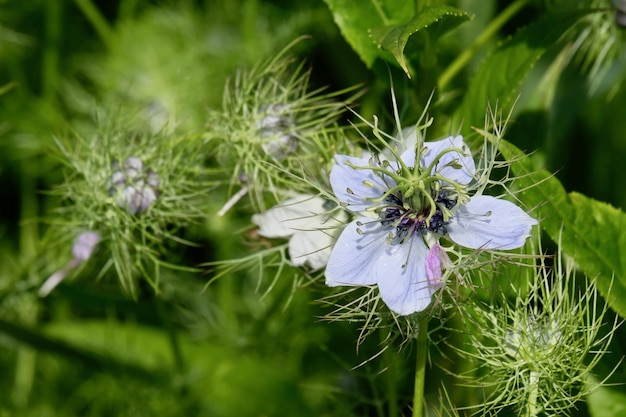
column 402, row 279
column 355, row 186
column 313, row 247
column 436, row 259
column 456, row 166
column 295, row 214
column 354, row 259
column 486, row 222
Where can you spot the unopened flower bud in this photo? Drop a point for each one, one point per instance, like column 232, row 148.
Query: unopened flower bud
column 277, row 125
column 133, row 187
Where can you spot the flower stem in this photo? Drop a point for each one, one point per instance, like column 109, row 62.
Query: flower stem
column 532, row 410
column 464, row 57
column 420, row 365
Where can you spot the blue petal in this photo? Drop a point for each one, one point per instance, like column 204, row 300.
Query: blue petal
column 355, row 257
column 486, row 222
column 463, row 174
column 355, row 186
column 401, row 277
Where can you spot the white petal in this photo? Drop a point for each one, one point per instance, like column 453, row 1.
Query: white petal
column 354, row 258
column 313, row 247
column 354, row 186
column 486, row 222
column 297, row 213
column 401, row 276
column 52, row 282
column 408, row 157
column 463, row 174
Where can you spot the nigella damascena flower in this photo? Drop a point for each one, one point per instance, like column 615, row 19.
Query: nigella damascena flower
column 403, row 208
column 133, row 187
column 82, row 249
column 276, row 127
column 308, row 223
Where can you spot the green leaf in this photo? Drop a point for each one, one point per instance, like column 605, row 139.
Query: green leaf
column 356, row 18
column 499, row 77
column 395, row 38
column 606, row 401
column 590, row 231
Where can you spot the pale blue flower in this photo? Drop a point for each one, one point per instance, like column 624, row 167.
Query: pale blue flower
column 401, row 213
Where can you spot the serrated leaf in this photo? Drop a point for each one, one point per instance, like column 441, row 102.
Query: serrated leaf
column 590, row 231
column 356, row 18
column 395, row 38
column 499, row 77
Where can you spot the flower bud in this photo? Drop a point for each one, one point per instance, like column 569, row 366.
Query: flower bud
column 134, row 188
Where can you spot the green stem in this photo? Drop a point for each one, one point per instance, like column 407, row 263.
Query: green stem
column 532, row 410
column 464, row 57
column 420, row 365
column 99, row 23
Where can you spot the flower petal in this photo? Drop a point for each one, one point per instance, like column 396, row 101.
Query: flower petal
column 298, row 213
column 313, row 247
column 84, row 245
column 401, row 276
column 453, row 165
column 486, row 222
column 355, row 186
column 436, row 259
column 354, row 259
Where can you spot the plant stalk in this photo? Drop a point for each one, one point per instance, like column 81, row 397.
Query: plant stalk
column 420, row 366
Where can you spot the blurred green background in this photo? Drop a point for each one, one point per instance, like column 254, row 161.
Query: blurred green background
column 90, row 349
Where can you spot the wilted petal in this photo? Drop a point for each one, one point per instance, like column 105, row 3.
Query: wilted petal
column 486, row 222
column 401, row 277
column 435, row 260
column 354, row 259
column 295, row 214
column 453, row 165
column 354, row 186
